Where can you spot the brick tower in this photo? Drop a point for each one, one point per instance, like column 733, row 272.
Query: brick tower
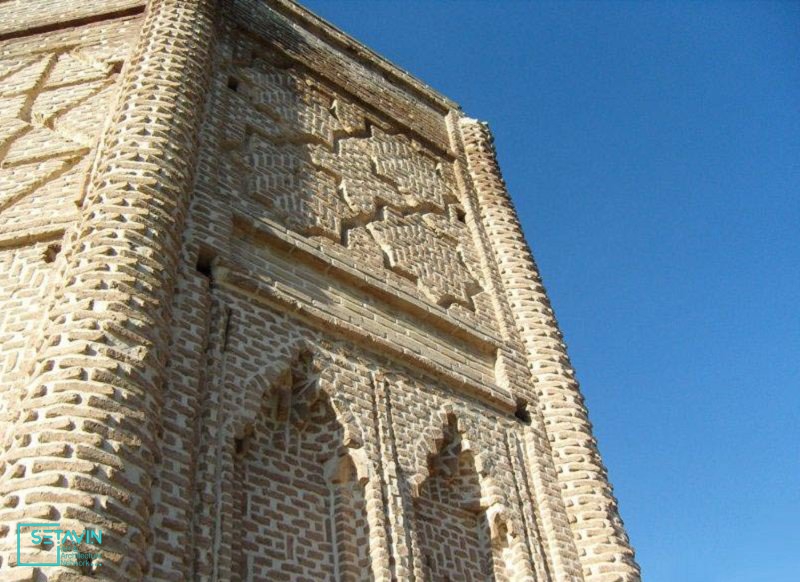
column 267, row 313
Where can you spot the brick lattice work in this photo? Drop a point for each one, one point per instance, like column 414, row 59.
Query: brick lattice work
column 266, row 313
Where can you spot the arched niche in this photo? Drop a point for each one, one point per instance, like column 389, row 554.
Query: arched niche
column 463, row 526
column 299, row 474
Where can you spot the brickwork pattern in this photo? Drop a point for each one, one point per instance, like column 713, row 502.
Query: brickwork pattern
column 57, row 89
column 98, row 369
column 311, row 159
column 420, row 412
column 266, row 313
column 599, row 534
column 52, row 107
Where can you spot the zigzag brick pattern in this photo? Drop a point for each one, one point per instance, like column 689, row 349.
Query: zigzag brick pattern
column 306, row 155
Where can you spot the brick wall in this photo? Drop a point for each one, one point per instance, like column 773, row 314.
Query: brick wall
column 267, row 313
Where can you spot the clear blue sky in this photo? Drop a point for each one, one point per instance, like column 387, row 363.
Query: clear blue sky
column 653, row 151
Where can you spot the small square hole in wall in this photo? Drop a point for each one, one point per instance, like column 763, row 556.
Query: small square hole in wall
column 521, row 413
column 203, row 265
column 51, row 252
column 233, row 84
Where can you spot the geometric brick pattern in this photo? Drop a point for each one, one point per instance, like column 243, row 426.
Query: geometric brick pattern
column 308, row 157
column 54, row 100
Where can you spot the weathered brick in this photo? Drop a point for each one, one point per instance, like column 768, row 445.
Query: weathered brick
column 266, row 312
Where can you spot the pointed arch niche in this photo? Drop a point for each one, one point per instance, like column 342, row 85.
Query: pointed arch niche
column 457, row 539
column 298, row 494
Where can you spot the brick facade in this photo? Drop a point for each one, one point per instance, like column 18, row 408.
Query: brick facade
column 267, row 313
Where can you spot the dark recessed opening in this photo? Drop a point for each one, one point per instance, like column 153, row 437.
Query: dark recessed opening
column 233, row 84
column 116, row 68
column 238, row 446
column 51, row 252
column 204, row 259
column 521, row 413
column 461, row 215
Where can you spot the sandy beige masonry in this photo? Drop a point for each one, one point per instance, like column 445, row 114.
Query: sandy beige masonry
column 267, row 313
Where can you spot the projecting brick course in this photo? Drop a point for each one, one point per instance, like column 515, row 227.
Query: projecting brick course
column 267, row 313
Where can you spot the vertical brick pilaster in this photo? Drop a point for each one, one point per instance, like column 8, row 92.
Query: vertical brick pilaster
column 603, row 547
column 85, row 439
column 398, row 518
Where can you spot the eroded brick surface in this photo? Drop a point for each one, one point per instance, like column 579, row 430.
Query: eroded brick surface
column 266, row 313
